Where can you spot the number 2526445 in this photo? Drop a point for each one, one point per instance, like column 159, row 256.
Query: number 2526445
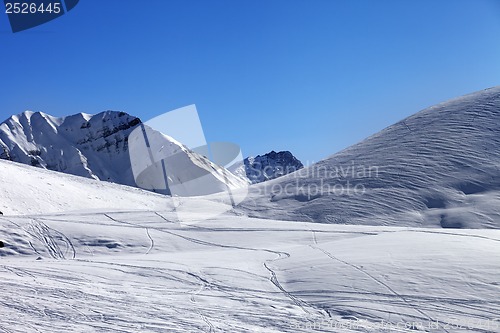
column 32, row 8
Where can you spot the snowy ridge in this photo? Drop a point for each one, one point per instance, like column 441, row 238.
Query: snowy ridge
column 175, row 169
column 439, row 167
column 83, row 145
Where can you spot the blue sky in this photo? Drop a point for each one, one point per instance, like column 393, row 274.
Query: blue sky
column 309, row 76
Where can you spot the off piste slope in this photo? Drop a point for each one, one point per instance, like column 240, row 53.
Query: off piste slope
column 144, row 272
column 438, row 167
column 29, row 190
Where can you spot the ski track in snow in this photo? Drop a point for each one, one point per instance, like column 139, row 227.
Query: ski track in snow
column 331, row 256
column 234, row 274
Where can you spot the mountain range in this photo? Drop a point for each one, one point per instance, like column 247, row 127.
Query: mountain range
column 438, row 167
column 384, row 241
column 97, row 147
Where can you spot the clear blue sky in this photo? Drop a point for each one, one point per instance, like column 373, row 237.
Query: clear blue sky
column 310, row 76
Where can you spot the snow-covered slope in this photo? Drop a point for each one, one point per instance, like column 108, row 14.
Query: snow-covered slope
column 162, row 164
column 29, row 190
column 272, row 165
column 439, row 167
column 144, row 272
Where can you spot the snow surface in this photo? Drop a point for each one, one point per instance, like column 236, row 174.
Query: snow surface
column 144, row 271
column 162, row 164
column 29, row 190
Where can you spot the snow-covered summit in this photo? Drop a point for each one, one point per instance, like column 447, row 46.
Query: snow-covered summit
column 438, row 167
column 83, row 145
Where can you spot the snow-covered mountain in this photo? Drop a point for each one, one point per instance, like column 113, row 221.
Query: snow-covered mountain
column 97, row 146
column 164, row 165
column 438, row 167
column 83, row 145
column 272, row 165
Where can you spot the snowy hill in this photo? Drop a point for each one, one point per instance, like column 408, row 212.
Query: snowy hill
column 439, row 167
column 29, row 190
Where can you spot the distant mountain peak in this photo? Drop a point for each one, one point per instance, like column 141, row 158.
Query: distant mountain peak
column 269, row 166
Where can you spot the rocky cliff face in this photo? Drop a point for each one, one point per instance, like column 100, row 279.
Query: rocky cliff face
column 271, row 165
column 93, row 146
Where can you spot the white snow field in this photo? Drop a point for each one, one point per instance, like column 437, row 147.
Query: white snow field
column 418, row 250
column 145, row 272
